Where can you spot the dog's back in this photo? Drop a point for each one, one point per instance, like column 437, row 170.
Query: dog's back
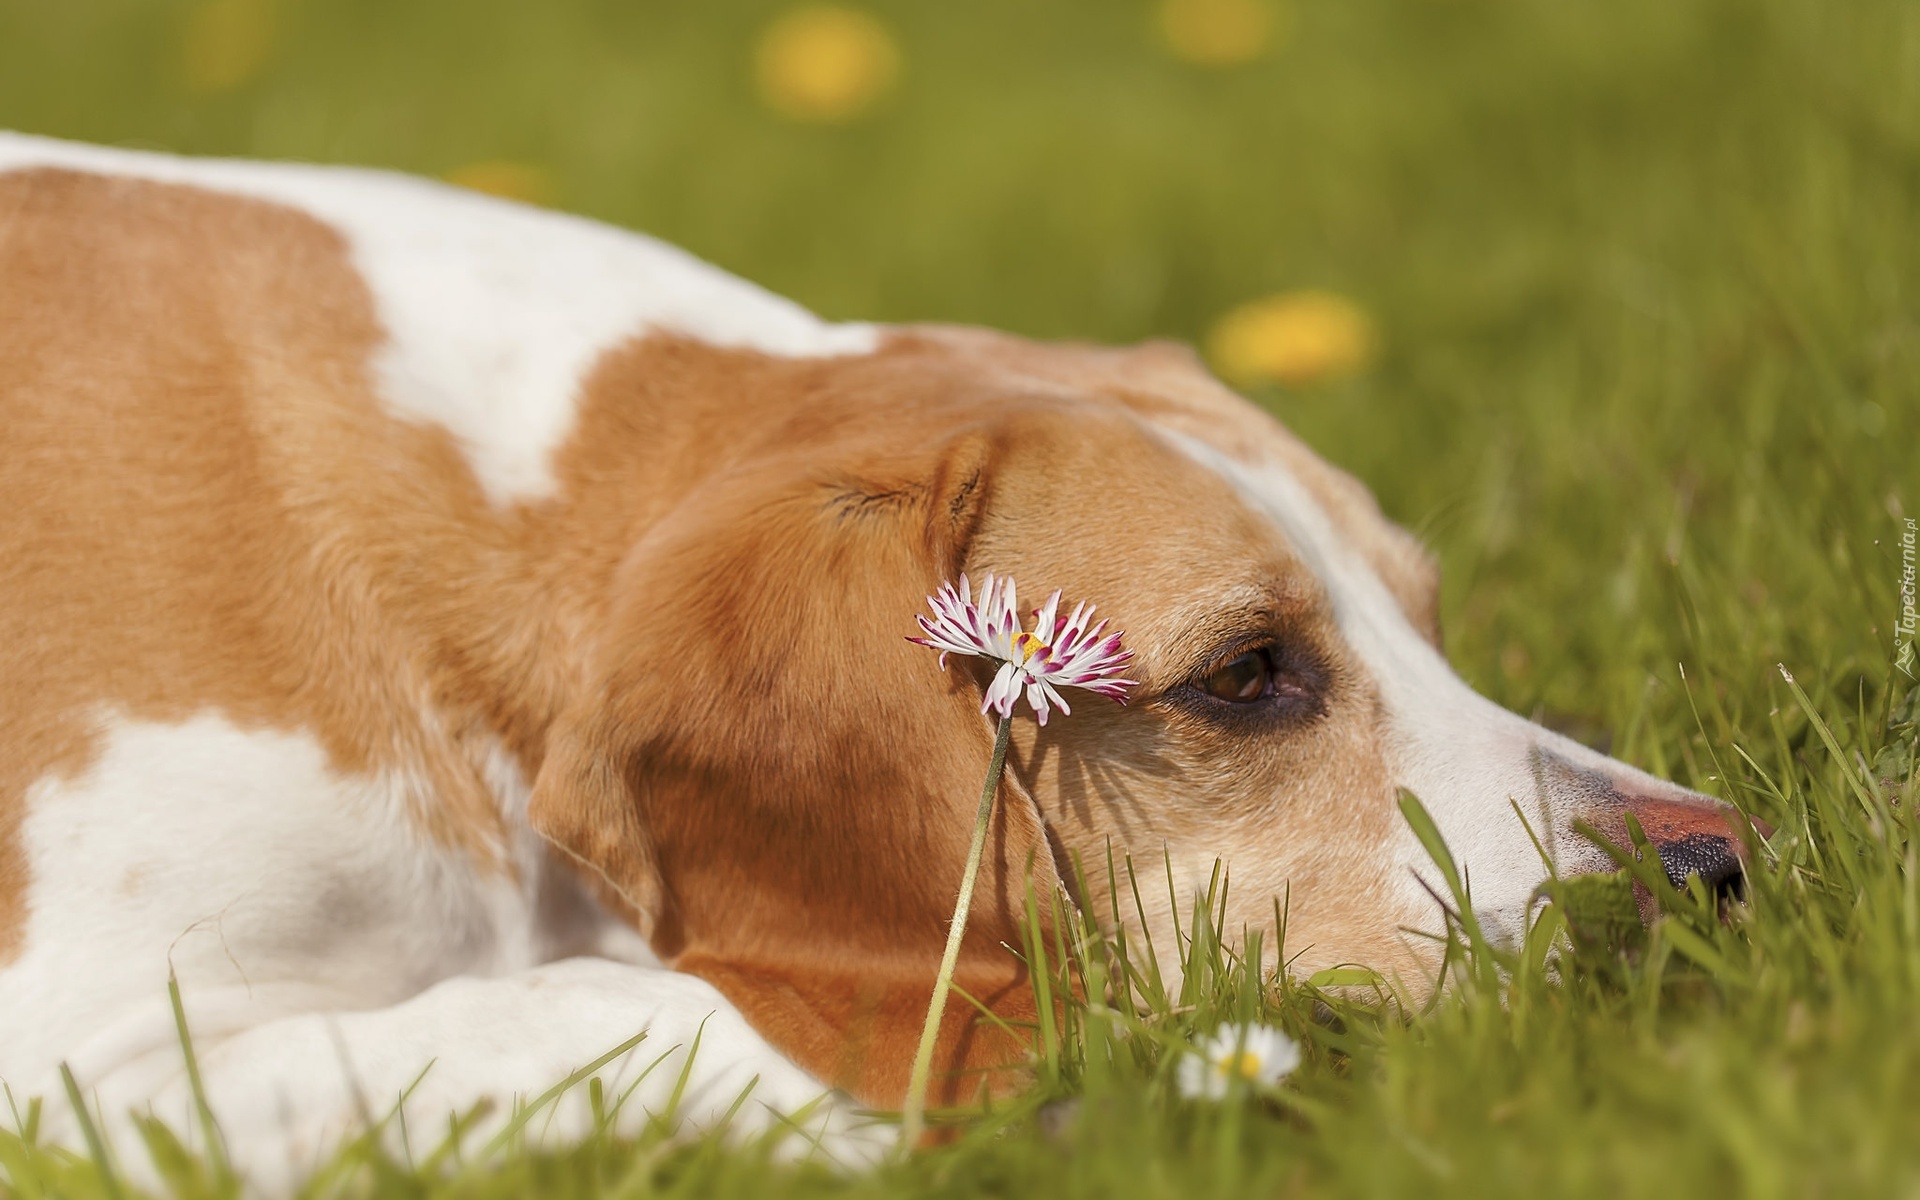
column 272, row 436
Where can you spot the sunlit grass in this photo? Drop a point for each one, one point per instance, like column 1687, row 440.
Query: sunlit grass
column 1644, row 369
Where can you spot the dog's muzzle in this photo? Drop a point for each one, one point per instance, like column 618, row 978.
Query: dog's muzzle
column 1693, row 834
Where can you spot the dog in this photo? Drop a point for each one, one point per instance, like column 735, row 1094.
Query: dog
column 450, row 639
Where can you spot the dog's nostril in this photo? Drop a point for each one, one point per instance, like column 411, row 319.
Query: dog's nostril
column 1714, row 859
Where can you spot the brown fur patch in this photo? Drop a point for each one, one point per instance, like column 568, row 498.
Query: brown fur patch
column 208, row 510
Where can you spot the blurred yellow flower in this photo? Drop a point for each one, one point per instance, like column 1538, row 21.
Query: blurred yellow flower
column 1221, row 33
column 508, row 180
column 825, row 63
column 226, row 43
column 1291, row 337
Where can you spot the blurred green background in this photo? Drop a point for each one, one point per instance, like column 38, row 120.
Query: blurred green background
column 1615, row 303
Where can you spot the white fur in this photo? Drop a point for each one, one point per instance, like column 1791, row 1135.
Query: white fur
column 287, row 1093
column 258, row 866
column 310, row 922
column 495, row 311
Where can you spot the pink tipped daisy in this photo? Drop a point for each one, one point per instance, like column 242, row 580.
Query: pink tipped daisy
column 1058, row 652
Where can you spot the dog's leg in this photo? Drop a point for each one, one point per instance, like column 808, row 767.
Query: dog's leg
column 287, row 1093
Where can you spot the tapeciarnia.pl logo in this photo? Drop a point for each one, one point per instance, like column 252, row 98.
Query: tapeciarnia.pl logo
column 1903, row 628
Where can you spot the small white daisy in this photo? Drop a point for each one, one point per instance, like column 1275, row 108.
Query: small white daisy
column 1258, row 1055
column 1057, row 652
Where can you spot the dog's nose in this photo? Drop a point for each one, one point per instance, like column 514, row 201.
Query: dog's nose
column 1693, row 834
column 1693, row 837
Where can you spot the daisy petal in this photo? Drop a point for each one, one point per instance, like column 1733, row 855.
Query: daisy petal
column 1059, row 652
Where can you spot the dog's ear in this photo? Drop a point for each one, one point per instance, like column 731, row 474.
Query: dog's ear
column 785, row 787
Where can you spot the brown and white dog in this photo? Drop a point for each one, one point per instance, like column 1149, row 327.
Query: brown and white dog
column 444, row 632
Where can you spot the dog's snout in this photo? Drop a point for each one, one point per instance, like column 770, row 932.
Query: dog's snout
column 1693, row 836
column 1714, row 860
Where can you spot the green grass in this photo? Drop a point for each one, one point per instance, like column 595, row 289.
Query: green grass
column 1645, row 274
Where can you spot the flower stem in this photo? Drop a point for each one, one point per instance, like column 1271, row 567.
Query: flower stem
column 914, row 1119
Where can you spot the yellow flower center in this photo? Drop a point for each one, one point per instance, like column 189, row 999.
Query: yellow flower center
column 1027, row 645
column 1243, row 1063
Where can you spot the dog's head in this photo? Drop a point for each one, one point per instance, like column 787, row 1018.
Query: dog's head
column 783, row 786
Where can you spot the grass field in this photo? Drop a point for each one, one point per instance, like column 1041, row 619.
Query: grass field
column 1644, row 284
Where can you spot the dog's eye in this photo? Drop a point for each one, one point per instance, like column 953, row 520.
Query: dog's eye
column 1270, row 685
column 1241, row 681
